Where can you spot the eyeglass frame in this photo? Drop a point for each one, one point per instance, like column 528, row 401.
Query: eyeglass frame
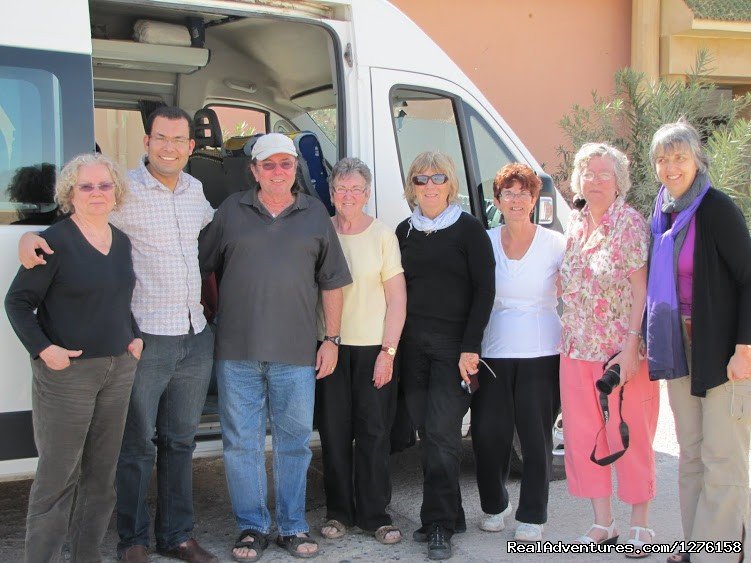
column 88, row 188
column 355, row 190
column 590, row 176
column 182, row 142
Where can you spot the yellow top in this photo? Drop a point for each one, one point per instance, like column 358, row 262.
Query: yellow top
column 373, row 257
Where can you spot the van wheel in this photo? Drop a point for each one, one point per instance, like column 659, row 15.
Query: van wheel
column 559, row 471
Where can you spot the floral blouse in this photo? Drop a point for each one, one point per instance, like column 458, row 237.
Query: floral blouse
column 594, row 276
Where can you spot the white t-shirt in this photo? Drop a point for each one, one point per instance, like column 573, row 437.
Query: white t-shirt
column 524, row 322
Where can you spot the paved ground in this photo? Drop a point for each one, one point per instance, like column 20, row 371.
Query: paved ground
column 569, row 517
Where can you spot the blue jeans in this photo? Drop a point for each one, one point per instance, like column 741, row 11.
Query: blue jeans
column 168, row 394
column 248, row 392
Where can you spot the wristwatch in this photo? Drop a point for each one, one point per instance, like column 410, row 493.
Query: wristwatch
column 390, row 350
column 336, row 339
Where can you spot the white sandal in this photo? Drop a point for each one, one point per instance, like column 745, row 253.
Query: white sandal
column 612, row 534
column 639, row 544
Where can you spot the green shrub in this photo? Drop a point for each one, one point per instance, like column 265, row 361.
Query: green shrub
column 629, row 117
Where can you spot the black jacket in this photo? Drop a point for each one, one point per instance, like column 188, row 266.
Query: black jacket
column 721, row 309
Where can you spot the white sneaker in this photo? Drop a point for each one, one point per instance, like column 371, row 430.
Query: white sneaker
column 494, row 522
column 528, row 532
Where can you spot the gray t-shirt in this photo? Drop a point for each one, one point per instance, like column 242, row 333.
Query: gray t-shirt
column 270, row 271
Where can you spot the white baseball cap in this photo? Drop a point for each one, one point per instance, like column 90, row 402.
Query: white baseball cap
column 271, row 144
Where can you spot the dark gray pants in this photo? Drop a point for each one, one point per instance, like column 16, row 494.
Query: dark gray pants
column 79, row 415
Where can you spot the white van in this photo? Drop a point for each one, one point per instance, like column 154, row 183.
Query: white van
column 357, row 75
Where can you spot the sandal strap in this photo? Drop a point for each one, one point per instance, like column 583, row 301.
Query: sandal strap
column 259, row 542
column 638, row 529
column 293, row 542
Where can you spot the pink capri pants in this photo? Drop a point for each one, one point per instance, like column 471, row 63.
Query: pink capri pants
column 582, row 419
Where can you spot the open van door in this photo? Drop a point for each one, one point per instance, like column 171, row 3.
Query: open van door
column 415, row 112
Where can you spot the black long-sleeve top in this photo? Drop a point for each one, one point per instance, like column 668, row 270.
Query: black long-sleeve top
column 721, row 300
column 81, row 296
column 450, row 279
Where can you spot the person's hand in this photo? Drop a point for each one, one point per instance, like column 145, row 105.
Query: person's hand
column 27, row 250
column 383, row 371
column 135, row 348
column 468, row 364
column 739, row 366
column 628, row 359
column 57, row 358
column 326, row 358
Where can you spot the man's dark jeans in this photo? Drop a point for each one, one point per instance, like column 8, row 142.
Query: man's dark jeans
column 168, row 394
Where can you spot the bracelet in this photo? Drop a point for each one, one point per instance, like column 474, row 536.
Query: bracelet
column 635, row 333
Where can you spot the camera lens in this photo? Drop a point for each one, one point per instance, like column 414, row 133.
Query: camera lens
column 609, row 380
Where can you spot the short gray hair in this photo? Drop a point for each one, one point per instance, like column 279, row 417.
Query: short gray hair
column 619, row 160
column 672, row 136
column 68, row 177
column 350, row 165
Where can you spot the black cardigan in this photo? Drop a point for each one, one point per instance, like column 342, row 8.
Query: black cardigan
column 721, row 308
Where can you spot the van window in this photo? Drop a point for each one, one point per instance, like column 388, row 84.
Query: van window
column 119, row 133
column 426, row 121
column 491, row 155
column 238, row 121
column 30, row 143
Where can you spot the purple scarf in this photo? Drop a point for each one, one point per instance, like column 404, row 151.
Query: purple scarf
column 665, row 351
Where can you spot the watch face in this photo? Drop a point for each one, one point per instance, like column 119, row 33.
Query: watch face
column 335, row 339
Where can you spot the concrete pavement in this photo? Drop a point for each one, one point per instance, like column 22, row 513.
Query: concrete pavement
column 569, row 517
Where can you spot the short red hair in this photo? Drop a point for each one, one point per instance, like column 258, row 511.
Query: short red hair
column 517, row 172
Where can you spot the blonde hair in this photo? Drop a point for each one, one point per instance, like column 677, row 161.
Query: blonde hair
column 441, row 164
column 68, row 177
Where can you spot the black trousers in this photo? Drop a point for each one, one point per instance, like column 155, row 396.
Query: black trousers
column 436, row 404
column 525, row 396
column 348, row 407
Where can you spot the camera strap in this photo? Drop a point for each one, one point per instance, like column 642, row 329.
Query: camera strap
column 622, row 429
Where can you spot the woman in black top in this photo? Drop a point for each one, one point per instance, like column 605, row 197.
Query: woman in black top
column 73, row 316
column 698, row 333
column 448, row 265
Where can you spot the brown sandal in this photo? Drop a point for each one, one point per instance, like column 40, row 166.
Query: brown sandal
column 381, row 534
column 339, row 530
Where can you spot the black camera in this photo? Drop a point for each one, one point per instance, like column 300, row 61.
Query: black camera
column 609, row 380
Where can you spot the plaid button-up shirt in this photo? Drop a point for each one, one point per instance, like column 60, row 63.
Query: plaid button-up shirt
column 163, row 228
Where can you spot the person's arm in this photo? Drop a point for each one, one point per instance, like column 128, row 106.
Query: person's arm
column 26, row 293
column 210, row 254
column 734, row 246
column 28, row 245
column 328, row 353
column 395, row 291
column 481, row 269
column 628, row 357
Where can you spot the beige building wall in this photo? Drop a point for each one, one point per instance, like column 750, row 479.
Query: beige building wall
column 533, row 59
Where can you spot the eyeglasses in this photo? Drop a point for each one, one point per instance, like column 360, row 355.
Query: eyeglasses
column 356, row 190
column 602, row 176
column 180, row 142
column 102, row 187
column 507, row 195
column 271, row 166
column 422, row 179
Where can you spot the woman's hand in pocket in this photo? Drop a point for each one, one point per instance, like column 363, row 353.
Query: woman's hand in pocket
column 57, row 358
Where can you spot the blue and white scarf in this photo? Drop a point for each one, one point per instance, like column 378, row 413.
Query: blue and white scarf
column 445, row 219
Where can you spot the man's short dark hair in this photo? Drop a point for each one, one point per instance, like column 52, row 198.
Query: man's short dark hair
column 168, row 112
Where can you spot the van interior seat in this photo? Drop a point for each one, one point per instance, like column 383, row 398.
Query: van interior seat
column 223, row 167
column 205, row 163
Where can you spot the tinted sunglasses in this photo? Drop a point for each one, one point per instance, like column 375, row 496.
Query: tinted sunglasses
column 422, row 179
column 103, row 187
